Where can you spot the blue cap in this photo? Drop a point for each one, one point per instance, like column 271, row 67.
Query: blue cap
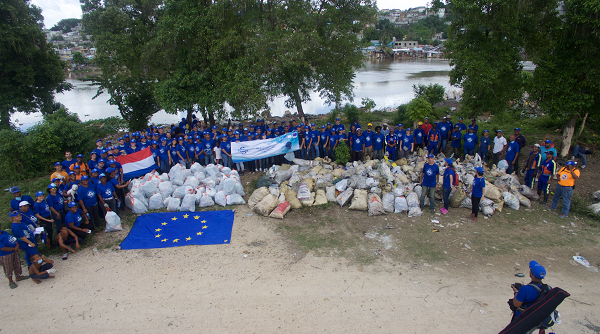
column 517, row 129
column 108, row 142
column 110, row 155
column 110, row 162
column 214, row 127
column 570, row 163
column 498, row 130
column 430, row 156
column 460, row 118
column 548, row 141
column 236, row 132
column 306, row 127
column 337, row 119
column 245, row 129
column 110, row 170
column 163, row 139
column 312, row 124
column 180, row 138
column 268, row 130
column 399, row 124
column 76, row 166
column 52, row 185
column 302, row 124
column 479, row 169
column 126, row 135
column 101, row 175
column 274, row 122
column 72, row 204
column 322, row 126
column 486, row 131
column 328, row 123
column 471, row 127
column 240, row 124
column 55, row 179
column 14, row 213
column 537, row 269
column 98, row 140
column 71, row 173
column 132, row 141
column 85, row 177
column 154, row 142
column 57, row 164
column 14, row 190
column 95, row 170
column 102, row 160
column 223, row 130
column 121, row 138
column 39, row 193
column 426, row 117
column 195, row 137
column 252, row 126
column 80, row 155
column 449, row 161
column 90, row 154
column 408, row 129
column 456, row 125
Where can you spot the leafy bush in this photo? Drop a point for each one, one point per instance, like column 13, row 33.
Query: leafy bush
column 333, row 114
column 368, row 104
column 433, row 93
column 418, row 109
column 342, row 153
column 107, row 126
column 401, row 116
column 351, row 112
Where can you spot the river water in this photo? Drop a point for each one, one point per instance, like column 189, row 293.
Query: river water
column 388, row 82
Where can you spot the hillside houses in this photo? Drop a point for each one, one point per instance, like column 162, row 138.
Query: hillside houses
column 409, row 16
column 70, row 43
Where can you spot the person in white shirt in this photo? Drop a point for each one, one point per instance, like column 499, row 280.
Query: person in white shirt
column 500, row 146
column 217, row 151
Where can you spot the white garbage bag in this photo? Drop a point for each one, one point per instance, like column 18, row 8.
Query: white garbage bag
column 173, row 204
column 388, row 202
column 155, row 202
column 113, row 222
column 165, row 188
column 341, row 186
column 191, row 181
column 400, row 205
column 206, row 201
column 188, row 203
column 220, row 198
column 234, row 199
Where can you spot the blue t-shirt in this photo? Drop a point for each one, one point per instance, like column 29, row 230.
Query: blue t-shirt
column 199, row 149
column 478, row 185
column 444, row 128
column 391, row 140
column 105, row 190
column 163, row 152
column 368, row 135
column 461, row 126
column 337, row 128
column 378, row 141
column 470, row 140
column 357, row 143
column 191, row 150
column 455, row 136
column 55, row 201
column 323, row 136
column 446, row 180
column 29, row 217
column 485, row 142
column 407, row 142
column 226, row 146
column 400, row 133
column 7, row 240
column 67, row 164
column 526, row 295
column 208, row 146
column 14, row 204
column 173, row 150
column 182, row 149
column 430, row 173
column 87, row 195
column 74, row 218
column 512, row 150
column 92, row 164
column 20, row 230
column 419, row 135
column 314, row 136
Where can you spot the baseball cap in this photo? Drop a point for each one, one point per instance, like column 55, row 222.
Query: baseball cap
column 80, row 155
column 95, row 170
column 55, row 179
column 282, row 122
column 101, row 175
column 110, row 170
column 154, row 142
column 51, row 185
column 485, row 131
column 126, row 136
column 71, row 173
column 165, row 138
column 240, row 124
column 14, row 213
column 306, row 127
column 120, row 138
column 214, row 127
column 77, row 166
column 337, row 119
column 430, row 156
column 479, row 169
column 223, row 130
column 312, row 124
column 39, row 193
column 537, row 269
column 370, row 124
column 444, row 117
column 471, row 127
column 108, row 142
column 359, row 129
column 548, row 141
column 102, row 160
column 536, row 145
column 328, row 123
column 570, row 163
column 132, row 141
column 499, row 130
column 245, row 129
column 420, row 123
column 98, row 140
column 72, row 204
column 85, row 177
column 449, row 161
column 426, row 117
column 456, row 126
column 460, row 118
column 550, row 152
column 399, row 124
column 57, row 164
column 236, row 132
column 517, row 129
column 23, row 203
column 322, row 126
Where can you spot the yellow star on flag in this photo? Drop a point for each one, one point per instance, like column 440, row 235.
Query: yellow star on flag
column 203, row 227
column 164, row 240
column 175, row 240
column 163, row 224
column 174, row 218
column 157, row 236
column 204, row 221
column 225, row 241
column 199, row 233
column 186, row 215
column 196, row 217
column 188, row 239
column 157, row 230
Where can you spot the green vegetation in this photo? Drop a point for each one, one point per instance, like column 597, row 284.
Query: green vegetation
column 368, row 104
column 433, row 93
column 342, row 153
column 421, row 31
column 65, row 25
column 30, row 68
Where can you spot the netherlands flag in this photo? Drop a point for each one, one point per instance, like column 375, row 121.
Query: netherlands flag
column 137, row 164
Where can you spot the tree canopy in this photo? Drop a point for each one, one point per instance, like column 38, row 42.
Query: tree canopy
column 30, row 69
column 66, row 25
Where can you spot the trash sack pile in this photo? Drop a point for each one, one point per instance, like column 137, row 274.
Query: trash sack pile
column 380, row 186
column 183, row 189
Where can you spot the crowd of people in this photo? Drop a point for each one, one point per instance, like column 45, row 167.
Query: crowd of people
column 80, row 192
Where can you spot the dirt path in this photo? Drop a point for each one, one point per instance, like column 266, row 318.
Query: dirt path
column 262, row 282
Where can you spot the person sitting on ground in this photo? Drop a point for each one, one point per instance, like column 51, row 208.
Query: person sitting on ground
column 40, row 268
column 477, row 192
column 59, row 173
column 67, row 237
column 579, row 152
column 76, row 222
column 9, row 257
column 429, row 182
column 14, row 203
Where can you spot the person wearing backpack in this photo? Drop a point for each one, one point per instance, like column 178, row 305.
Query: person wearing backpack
column 450, row 181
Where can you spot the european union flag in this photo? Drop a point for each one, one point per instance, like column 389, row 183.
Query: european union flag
column 172, row 229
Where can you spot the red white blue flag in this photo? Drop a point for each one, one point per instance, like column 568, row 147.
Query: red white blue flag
column 137, row 164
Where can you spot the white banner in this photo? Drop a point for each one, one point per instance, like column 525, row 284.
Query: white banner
column 264, row 148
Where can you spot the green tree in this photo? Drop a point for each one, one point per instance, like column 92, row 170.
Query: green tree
column 78, row 58
column 313, row 46
column 433, row 93
column 122, row 31
column 418, row 109
column 66, row 25
column 368, row 104
column 30, row 69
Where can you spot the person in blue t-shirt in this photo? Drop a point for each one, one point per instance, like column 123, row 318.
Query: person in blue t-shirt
column 448, row 184
column 429, row 182
column 323, row 141
column 24, row 232
column 208, row 144
column 9, row 257
column 198, row 150
column 470, row 140
column 358, row 146
column 338, row 125
column 143, row 143
column 391, row 141
column 173, row 153
column 525, row 295
column 419, row 135
column 477, row 192
column 512, row 154
column 485, row 145
column 190, row 152
column 433, row 138
column 44, row 216
column 407, row 146
column 474, row 125
column 368, row 135
column 455, row 143
column 445, row 129
column 68, row 161
column 313, row 142
column 182, row 151
column 18, row 198
column 132, row 147
column 226, row 152
column 93, row 162
column 163, row 155
column 106, row 195
column 56, row 204
column 461, row 126
column 378, row 143
column 88, row 201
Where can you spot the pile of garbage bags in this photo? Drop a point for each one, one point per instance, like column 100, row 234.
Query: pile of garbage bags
column 182, row 189
column 381, row 186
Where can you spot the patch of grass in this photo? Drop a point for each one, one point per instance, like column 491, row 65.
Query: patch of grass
column 28, row 187
column 309, row 238
column 581, row 206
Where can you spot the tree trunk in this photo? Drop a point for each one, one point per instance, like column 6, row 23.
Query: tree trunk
column 298, row 102
column 4, row 119
column 582, row 124
column 568, row 135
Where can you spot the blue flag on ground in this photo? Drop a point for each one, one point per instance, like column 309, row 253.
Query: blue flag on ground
column 172, row 229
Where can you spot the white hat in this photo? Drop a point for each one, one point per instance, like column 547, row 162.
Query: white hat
column 23, row 203
column 537, row 145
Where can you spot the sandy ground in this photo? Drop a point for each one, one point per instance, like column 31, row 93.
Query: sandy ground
column 261, row 284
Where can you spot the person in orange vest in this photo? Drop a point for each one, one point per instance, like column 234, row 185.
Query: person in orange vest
column 433, row 138
column 564, row 188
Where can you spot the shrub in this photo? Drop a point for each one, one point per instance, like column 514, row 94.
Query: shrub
column 418, row 109
column 333, row 114
column 351, row 112
column 433, row 93
column 368, row 104
column 342, row 153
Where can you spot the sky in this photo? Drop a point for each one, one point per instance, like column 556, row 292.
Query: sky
column 56, row 10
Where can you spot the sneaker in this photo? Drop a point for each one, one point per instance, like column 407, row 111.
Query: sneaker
column 432, row 210
column 444, row 211
column 543, row 202
column 563, row 216
column 549, row 208
column 12, row 285
column 583, row 166
column 572, row 157
column 65, row 256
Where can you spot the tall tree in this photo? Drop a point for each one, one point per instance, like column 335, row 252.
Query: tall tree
column 122, row 31
column 30, row 69
column 210, row 58
column 313, row 46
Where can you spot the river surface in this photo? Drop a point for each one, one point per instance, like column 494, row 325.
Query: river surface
column 389, row 83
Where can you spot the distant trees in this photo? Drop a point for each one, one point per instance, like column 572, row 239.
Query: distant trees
column 433, row 93
column 65, row 25
column 30, row 70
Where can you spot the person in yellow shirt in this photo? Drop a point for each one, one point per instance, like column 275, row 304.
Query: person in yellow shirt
column 564, row 188
column 83, row 167
column 59, row 174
